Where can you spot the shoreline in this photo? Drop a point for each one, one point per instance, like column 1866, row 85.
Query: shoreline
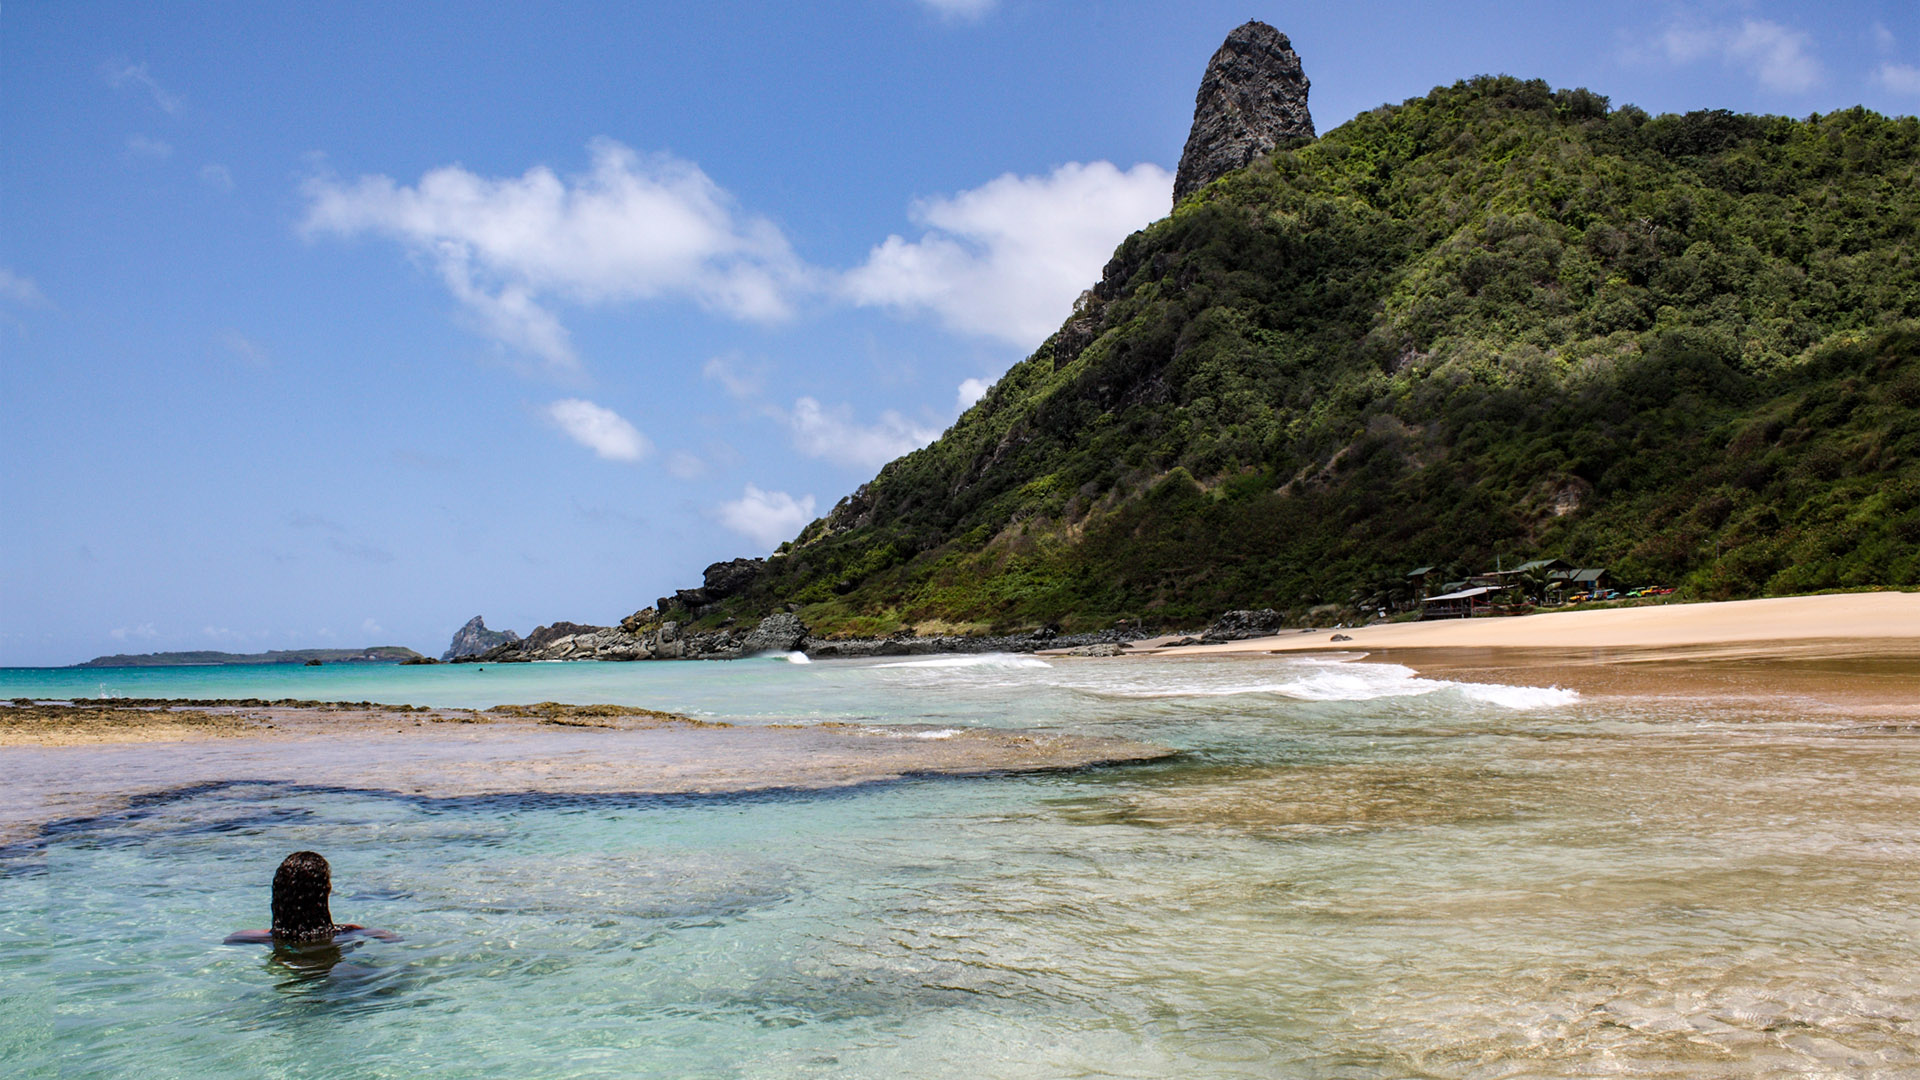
column 1764, row 626
column 1856, row 652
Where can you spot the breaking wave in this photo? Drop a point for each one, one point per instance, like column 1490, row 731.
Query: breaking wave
column 983, row 660
column 1346, row 681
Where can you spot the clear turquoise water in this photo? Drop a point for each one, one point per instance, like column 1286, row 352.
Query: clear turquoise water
column 1349, row 873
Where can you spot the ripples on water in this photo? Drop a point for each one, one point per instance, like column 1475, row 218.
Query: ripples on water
column 1352, row 872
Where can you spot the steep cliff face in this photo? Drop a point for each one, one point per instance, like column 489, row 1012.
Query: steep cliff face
column 1252, row 99
column 474, row 639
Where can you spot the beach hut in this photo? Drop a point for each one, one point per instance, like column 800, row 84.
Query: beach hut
column 1459, row 604
column 1419, row 579
column 1591, row 581
column 1549, row 565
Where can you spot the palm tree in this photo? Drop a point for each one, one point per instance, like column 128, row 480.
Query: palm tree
column 1536, row 583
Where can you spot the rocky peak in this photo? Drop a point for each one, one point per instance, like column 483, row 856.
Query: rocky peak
column 474, row 639
column 1252, row 99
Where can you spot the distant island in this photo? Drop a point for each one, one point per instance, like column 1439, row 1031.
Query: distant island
column 378, row 654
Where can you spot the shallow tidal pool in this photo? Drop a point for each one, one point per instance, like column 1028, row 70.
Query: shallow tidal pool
column 1349, row 872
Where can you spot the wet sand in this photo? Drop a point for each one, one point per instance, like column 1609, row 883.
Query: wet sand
column 70, row 762
column 1864, row 680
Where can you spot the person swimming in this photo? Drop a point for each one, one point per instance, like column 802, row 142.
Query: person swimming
column 301, row 915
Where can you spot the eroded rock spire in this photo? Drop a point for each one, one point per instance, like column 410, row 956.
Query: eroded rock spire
column 1252, row 98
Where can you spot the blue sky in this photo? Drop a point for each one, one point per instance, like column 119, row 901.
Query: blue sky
column 337, row 326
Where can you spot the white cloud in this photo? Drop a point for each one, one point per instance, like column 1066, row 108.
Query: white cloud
column 242, row 348
column 369, row 626
column 961, row 9
column 137, row 76
column 20, row 289
column 144, row 631
column 971, row 391
column 738, row 380
column 216, row 175
column 767, row 517
column 1007, row 259
column 1883, row 38
column 684, row 466
column 142, row 146
column 603, row 431
column 1899, row 78
column 631, row 228
column 1778, row 56
column 832, row 434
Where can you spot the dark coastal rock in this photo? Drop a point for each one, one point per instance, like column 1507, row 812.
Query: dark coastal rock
column 779, row 632
column 1252, row 99
column 904, row 645
column 1105, row 648
column 721, row 580
column 643, row 637
column 1237, row 625
column 558, row 635
column 474, row 639
column 565, row 641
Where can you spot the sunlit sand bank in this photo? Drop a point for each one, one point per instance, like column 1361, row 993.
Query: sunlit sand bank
column 1759, row 625
column 66, row 762
column 1858, row 650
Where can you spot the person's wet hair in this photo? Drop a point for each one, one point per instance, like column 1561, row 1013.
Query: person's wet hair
column 300, row 890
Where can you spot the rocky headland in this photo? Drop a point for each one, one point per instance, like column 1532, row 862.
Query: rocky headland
column 474, row 639
column 648, row 635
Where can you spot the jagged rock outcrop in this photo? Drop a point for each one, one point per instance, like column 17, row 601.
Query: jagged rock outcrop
column 640, row 637
column 1238, row 625
column 779, row 632
column 474, row 639
column 722, row 579
column 1252, row 99
column 916, row 645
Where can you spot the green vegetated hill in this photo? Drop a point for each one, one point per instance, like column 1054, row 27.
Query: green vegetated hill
column 1496, row 321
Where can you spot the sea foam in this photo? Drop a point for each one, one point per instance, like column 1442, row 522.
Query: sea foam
column 1345, row 680
column 983, row 660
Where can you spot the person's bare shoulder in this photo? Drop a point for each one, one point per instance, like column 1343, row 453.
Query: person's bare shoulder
column 249, row 937
column 356, row 930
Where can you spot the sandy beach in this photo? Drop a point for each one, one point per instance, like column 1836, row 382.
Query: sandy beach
column 1751, row 627
column 1858, row 651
